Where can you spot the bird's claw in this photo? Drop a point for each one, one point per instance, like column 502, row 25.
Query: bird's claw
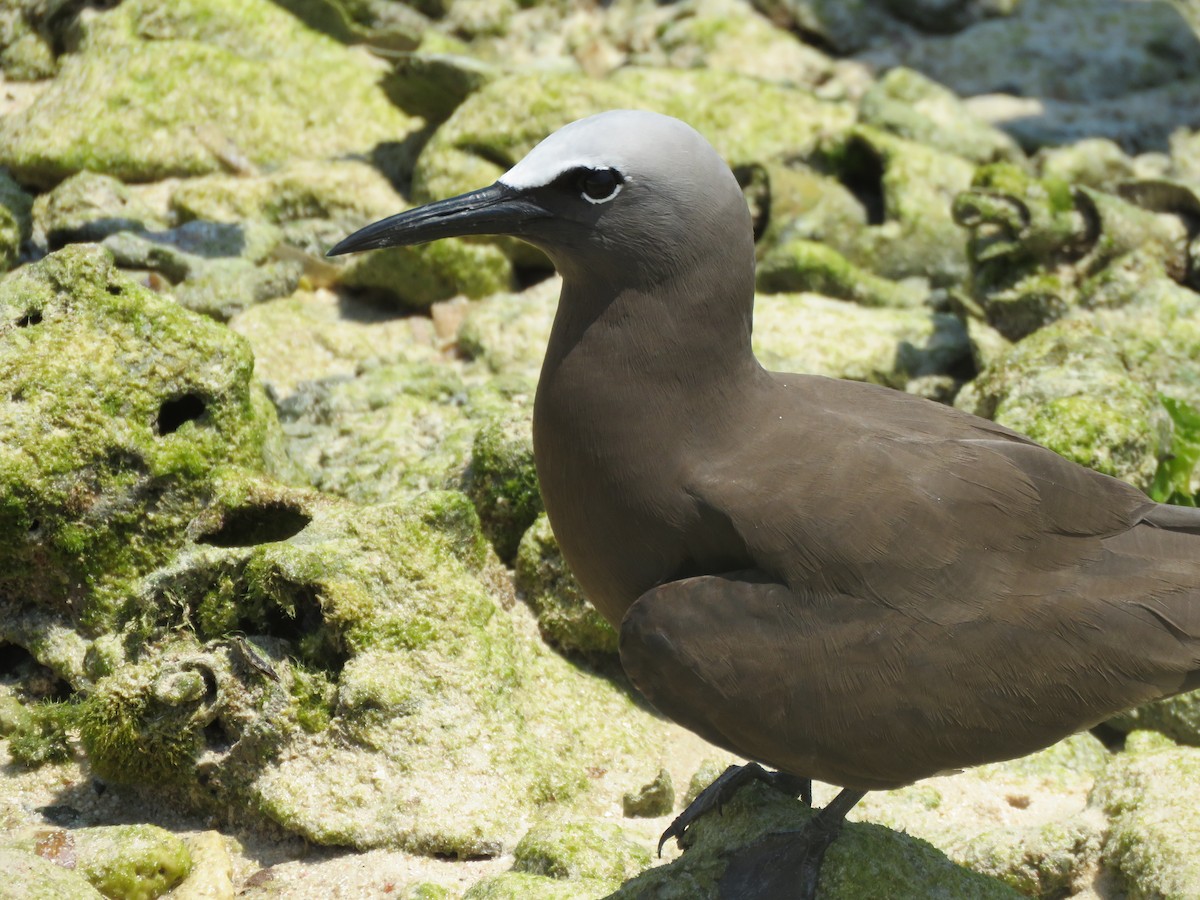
column 721, row 791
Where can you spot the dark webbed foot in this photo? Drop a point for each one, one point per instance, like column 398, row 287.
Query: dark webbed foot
column 786, row 865
column 726, row 785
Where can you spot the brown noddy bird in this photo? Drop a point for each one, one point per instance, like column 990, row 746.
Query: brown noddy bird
column 842, row 581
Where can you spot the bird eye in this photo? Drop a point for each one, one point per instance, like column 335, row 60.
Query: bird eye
column 599, row 185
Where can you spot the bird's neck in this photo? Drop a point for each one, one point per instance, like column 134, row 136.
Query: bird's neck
column 679, row 334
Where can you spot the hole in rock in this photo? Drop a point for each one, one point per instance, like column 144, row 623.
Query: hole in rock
column 35, row 681
column 33, row 317
column 249, row 526
column 862, row 174
column 116, row 290
column 174, row 413
column 216, row 737
column 14, row 660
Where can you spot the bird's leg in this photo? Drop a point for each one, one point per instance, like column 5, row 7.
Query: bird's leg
column 787, row 865
column 725, row 786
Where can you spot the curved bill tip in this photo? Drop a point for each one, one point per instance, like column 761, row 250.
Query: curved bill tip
column 496, row 209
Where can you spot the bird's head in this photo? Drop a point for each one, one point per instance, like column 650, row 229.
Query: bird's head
column 629, row 189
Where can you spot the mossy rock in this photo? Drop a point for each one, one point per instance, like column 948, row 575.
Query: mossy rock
column 121, row 408
column 28, row 876
column 395, row 429
column 908, row 104
column 906, row 189
column 864, row 861
column 131, row 862
column 565, row 617
column 1176, row 717
column 1041, row 247
column 1088, row 385
column 815, row 335
column 502, row 481
column 1151, row 837
column 366, row 652
column 580, row 849
column 809, row 266
column 15, row 220
column 162, row 89
column 89, row 207
column 748, row 120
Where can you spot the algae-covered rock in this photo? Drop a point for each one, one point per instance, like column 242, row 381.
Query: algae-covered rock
column 580, row 849
column 365, row 652
column 15, row 221
column 394, row 429
column 433, row 85
column 126, row 862
column 444, row 707
column 1066, row 386
column 865, row 861
column 317, row 335
column 912, row 106
column 525, row 886
column 421, row 275
column 906, row 189
column 28, row 876
column 651, row 800
column 564, row 616
column 508, row 333
column 1025, row 822
column 25, row 48
column 747, row 120
column 815, row 335
column 89, row 207
column 1176, row 717
column 502, row 482
column 1075, row 50
column 120, row 407
column 314, row 204
column 792, row 333
column 1147, row 795
column 1088, row 385
column 211, row 875
column 186, row 88
column 188, row 714
column 1035, row 243
column 731, row 36
column 801, row 265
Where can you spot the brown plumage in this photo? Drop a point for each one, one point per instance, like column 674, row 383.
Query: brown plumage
column 844, row 582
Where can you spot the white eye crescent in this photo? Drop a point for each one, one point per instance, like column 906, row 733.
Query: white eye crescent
column 599, row 185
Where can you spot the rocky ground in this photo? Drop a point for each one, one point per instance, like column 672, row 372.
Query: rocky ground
column 279, row 612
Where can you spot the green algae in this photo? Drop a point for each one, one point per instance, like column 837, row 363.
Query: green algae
column 910, row 105
column 502, row 482
column 865, row 861
column 801, row 265
column 1146, row 795
column 120, row 408
column 651, row 800
column 89, row 207
column 363, row 650
column 130, row 862
column 581, row 849
column 41, row 734
column 30, row 877
column 15, row 220
column 127, row 104
column 564, row 616
column 501, row 122
column 906, row 188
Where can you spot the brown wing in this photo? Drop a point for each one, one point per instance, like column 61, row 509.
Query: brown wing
column 836, row 688
column 929, row 585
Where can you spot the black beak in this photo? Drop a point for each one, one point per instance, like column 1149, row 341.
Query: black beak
column 497, row 209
